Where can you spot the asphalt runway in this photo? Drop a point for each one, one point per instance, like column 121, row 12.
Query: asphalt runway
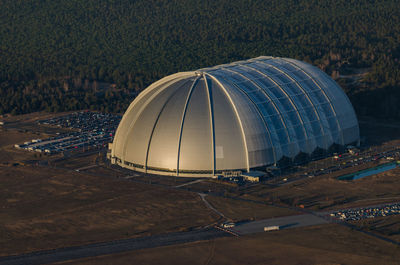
column 112, row 247
column 283, row 223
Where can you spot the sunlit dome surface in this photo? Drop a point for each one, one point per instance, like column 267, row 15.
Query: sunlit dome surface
column 234, row 116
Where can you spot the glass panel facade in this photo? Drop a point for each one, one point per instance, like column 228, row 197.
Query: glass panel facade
column 241, row 115
column 270, row 112
column 293, row 102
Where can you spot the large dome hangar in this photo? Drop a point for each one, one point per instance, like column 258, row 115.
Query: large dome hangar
column 238, row 116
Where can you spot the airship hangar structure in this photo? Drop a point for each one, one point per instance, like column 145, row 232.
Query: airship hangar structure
column 238, row 116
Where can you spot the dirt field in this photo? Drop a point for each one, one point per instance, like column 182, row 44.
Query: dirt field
column 323, row 193
column 27, row 123
column 388, row 226
column 329, row 244
column 238, row 210
column 10, row 137
column 44, row 208
column 77, row 162
column 18, row 130
column 318, row 193
column 8, row 154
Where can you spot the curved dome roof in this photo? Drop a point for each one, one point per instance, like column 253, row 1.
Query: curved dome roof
column 241, row 115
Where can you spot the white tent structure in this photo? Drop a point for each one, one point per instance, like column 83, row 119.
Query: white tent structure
column 236, row 116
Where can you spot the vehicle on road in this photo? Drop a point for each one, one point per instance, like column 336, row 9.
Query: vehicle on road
column 271, row 228
column 228, row 225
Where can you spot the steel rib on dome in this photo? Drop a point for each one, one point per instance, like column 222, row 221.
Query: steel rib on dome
column 235, row 116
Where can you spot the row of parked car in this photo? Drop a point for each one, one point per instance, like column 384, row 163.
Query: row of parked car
column 345, row 161
column 91, row 130
column 85, row 121
column 369, row 212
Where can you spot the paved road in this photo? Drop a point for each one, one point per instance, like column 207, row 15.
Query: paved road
column 71, row 253
column 202, row 196
column 85, row 168
column 283, row 223
column 191, row 182
column 112, row 247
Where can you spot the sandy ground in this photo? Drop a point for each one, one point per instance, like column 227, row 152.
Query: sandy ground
column 45, row 208
column 327, row 244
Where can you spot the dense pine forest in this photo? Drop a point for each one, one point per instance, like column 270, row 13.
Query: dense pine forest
column 58, row 55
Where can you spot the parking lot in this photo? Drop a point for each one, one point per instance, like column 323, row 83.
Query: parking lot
column 89, row 130
column 368, row 212
column 342, row 161
column 359, row 159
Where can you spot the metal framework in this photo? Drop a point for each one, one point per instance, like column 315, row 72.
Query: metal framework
column 236, row 116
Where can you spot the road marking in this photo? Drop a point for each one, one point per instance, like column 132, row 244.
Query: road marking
column 227, row 230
